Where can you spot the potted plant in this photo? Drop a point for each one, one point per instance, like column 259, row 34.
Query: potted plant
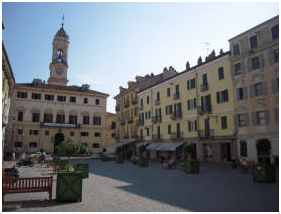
column 191, row 165
column 143, row 160
column 119, row 158
column 103, row 155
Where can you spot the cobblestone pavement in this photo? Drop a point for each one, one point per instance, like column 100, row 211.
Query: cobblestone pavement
column 127, row 187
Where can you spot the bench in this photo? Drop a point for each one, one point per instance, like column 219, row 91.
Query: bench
column 24, row 185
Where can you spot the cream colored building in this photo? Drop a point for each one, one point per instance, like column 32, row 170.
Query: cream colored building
column 42, row 115
column 111, row 121
column 255, row 70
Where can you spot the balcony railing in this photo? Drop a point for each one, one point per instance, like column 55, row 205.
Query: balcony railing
column 176, row 115
column 157, row 102
column 157, row 137
column 176, row 96
column 62, row 125
column 140, row 108
column 135, row 136
column 122, row 121
column 140, row 122
column 176, row 135
column 140, row 138
column 204, row 87
column 134, row 100
column 206, row 133
column 156, row 119
column 130, row 119
column 126, row 104
column 204, row 109
column 117, row 108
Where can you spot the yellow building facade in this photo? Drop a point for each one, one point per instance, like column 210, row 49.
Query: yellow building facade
column 194, row 106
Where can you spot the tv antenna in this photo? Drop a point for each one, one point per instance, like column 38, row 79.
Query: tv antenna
column 207, row 46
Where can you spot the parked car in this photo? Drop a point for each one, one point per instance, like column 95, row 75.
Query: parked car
column 95, row 156
column 111, row 156
column 25, row 162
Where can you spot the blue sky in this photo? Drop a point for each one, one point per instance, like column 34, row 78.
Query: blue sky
column 111, row 43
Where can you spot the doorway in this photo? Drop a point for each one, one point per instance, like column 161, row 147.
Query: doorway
column 59, row 138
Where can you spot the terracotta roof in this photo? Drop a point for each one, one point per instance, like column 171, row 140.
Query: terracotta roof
column 62, row 88
column 61, row 32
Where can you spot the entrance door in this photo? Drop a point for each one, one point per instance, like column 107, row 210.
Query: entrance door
column 59, row 138
column 178, row 130
column 228, row 150
column 207, row 127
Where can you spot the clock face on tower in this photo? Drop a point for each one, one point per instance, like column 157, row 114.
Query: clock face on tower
column 59, row 71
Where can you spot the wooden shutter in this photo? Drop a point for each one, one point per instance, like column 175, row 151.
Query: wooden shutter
column 194, row 102
column 276, row 115
column 232, row 71
column 226, row 95
column 261, row 61
column 252, row 91
column 271, row 57
column 245, row 93
column 249, row 62
column 188, row 104
column 188, row 84
column 247, row 119
column 218, row 96
column 264, row 88
column 236, row 120
column 275, row 86
column 238, row 94
column 254, row 118
column 267, row 117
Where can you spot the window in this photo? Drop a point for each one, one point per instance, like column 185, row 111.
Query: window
column 206, row 105
column 223, row 122
column 113, row 125
column 18, row 144
column 205, row 79
column 49, row 97
column 20, row 116
column 236, row 49
column 35, row 117
column 240, row 94
column 72, row 99
column 191, row 104
column 237, row 69
column 48, row 118
column 221, row 73
column 149, row 114
column 97, row 134
column 22, row 94
column 147, row 100
column 242, row 120
column 86, row 120
column 177, row 89
column 84, row 134
column 47, row 132
column 168, row 92
column 146, row 115
column 113, row 135
column 33, row 132
column 141, row 102
column 222, row 96
column 195, row 125
column 61, row 118
column 190, row 84
column 243, row 148
column 261, row 117
column 255, row 63
column 96, row 145
column 72, row 133
column 61, row 98
column 36, row 96
column 97, row 101
column 275, row 32
column 158, row 95
column 253, row 41
column 258, row 87
column 33, row 145
column 147, row 131
column 190, row 126
column 85, row 100
column 169, row 129
column 97, row 120
column 72, row 119
column 276, row 55
column 275, row 85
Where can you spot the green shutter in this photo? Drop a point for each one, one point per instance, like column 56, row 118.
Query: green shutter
column 218, row 96
column 226, row 95
column 194, row 102
column 188, row 104
column 188, row 84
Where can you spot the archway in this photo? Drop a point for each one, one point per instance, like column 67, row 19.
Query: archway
column 59, row 137
column 263, row 150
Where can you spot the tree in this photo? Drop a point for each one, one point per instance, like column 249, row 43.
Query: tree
column 69, row 147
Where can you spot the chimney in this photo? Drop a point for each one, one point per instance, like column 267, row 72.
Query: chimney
column 152, row 74
column 187, row 65
column 121, row 89
column 139, row 78
column 221, row 51
column 199, row 62
column 165, row 70
column 130, row 84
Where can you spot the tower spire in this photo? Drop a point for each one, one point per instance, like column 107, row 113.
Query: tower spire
column 62, row 20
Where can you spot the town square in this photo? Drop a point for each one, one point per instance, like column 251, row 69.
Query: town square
column 140, row 107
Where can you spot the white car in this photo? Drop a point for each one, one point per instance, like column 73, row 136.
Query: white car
column 96, row 156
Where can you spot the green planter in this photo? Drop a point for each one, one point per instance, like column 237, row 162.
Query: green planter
column 69, row 186
column 191, row 166
column 64, row 164
column 264, row 173
column 56, row 160
column 84, row 168
column 104, row 158
column 119, row 159
column 143, row 162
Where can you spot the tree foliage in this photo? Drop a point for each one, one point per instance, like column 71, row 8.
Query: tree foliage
column 69, row 147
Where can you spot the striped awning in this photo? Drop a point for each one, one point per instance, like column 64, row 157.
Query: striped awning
column 169, row 146
column 153, row 146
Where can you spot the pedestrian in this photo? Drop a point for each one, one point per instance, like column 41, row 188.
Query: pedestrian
column 14, row 156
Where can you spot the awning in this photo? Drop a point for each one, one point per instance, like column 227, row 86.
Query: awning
column 140, row 144
column 113, row 147
column 153, row 146
column 124, row 143
column 169, row 146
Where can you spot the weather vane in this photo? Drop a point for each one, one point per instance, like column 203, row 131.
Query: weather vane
column 62, row 20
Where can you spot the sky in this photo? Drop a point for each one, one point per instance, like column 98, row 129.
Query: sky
column 112, row 43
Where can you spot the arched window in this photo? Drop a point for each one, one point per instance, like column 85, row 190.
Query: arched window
column 60, row 55
column 32, row 145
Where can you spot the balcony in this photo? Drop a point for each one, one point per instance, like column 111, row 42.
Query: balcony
column 206, row 133
column 117, row 108
column 140, row 122
column 157, row 137
column 176, row 135
column 134, row 136
column 130, row 119
column 204, row 109
column 126, row 136
column 134, row 100
column 157, row 119
column 60, row 125
column 126, row 104
column 122, row 121
column 176, row 115
column 140, row 138
column 204, row 87
column 157, row 102
column 117, row 136
column 176, row 96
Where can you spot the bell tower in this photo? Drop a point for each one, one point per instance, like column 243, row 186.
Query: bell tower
column 58, row 66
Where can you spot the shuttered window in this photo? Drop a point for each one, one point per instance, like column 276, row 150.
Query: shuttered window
column 168, row 92
column 261, row 117
column 253, row 41
column 255, row 63
column 237, row 69
column 236, row 49
column 169, row 129
column 221, row 73
column 275, row 32
column 223, row 122
column 243, row 148
column 275, row 85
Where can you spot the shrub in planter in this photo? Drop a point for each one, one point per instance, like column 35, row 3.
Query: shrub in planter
column 104, row 158
column 84, row 168
column 191, row 166
column 143, row 162
column 264, row 173
column 119, row 159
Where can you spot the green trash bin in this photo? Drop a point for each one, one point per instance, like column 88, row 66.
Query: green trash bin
column 69, row 186
column 264, row 173
column 84, row 168
column 64, row 164
column 192, row 166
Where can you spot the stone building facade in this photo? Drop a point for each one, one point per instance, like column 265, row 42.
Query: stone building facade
column 255, row 70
